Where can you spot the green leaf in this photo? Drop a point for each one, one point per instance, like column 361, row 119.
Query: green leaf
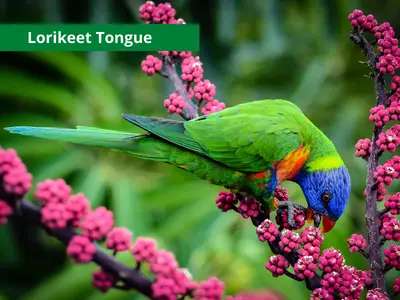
column 62, row 165
column 21, row 85
column 101, row 95
column 93, row 184
column 127, row 206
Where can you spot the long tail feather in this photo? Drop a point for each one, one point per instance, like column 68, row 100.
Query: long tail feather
column 144, row 146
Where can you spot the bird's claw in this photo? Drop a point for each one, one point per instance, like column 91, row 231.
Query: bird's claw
column 290, row 206
column 317, row 219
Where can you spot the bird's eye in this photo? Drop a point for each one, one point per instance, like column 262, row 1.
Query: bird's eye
column 326, row 197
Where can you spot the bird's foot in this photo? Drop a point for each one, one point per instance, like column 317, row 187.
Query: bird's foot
column 313, row 216
column 290, row 206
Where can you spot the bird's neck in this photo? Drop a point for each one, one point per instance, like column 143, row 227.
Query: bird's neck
column 323, row 155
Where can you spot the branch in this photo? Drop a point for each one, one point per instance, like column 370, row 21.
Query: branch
column 132, row 278
column 170, row 72
column 375, row 260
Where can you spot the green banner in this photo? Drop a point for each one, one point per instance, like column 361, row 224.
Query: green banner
column 99, row 37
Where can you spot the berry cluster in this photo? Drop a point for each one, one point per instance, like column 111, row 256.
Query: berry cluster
column 195, row 94
column 363, row 148
column 60, row 209
column 15, row 181
column 387, row 62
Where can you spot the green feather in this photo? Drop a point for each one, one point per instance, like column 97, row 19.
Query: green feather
column 221, row 147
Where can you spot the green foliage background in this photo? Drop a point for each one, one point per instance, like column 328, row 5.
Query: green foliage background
column 297, row 50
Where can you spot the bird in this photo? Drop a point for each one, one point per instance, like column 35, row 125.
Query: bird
column 249, row 148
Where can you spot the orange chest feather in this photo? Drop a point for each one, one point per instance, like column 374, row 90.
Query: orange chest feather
column 288, row 167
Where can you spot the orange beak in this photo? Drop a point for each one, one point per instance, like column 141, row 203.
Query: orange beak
column 327, row 224
column 310, row 218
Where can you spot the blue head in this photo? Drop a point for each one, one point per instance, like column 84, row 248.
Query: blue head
column 327, row 192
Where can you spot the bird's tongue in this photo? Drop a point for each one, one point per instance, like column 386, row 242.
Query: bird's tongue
column 327, row 224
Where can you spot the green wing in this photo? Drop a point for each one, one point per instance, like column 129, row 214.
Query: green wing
column 249, row 137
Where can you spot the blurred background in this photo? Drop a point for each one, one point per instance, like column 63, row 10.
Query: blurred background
column 297, row 50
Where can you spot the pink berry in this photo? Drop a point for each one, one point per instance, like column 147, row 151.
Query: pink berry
column 212, row 107
column 312, row 235
column 9, row 160
column 305, row 267
column 5, row 211
column 164, row 263
column 392, row 203
column 249, row 208
column 164, row 288
column 366, row 277
column 79, row 206
column 331, row 260
column 183, row 281
column 376, row 294
column 299, row 219
column 151, row 65
column 392, row 256
column 55, row 215
column 144, row 249
column 81, row 249
column 384, row 219
column 97, row 223
column 396, row 286
column 146, row 11
column 391, row 230
column 388, row 141
column 363, row 147
column 321, row 294
column 176, row 55
column 204, row 90
column 395, row 85
column 281, row 193
column 212, row 289
column 389, row 171
column 358, row 19
column 356, row 243
column 17, row 181
column 351, row 285
column 277, row 265
column 103, row 281
column 388, row 64
column 192, row 70
column 310, row 250
column 175, row 104
column 52, row 191
column 119, row 239
column 290, row 241
column 331, row 282
column 164, row 13
column 267, row 231
column 379, row 115
column 226, row 200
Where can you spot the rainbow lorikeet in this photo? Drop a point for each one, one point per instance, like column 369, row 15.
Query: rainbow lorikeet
column 248, row 148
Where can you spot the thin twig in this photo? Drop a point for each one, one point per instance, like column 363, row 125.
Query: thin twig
column 291, row 275
column 170, row 71
column 363, row 253
column 383, row 211
column 387, row 268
